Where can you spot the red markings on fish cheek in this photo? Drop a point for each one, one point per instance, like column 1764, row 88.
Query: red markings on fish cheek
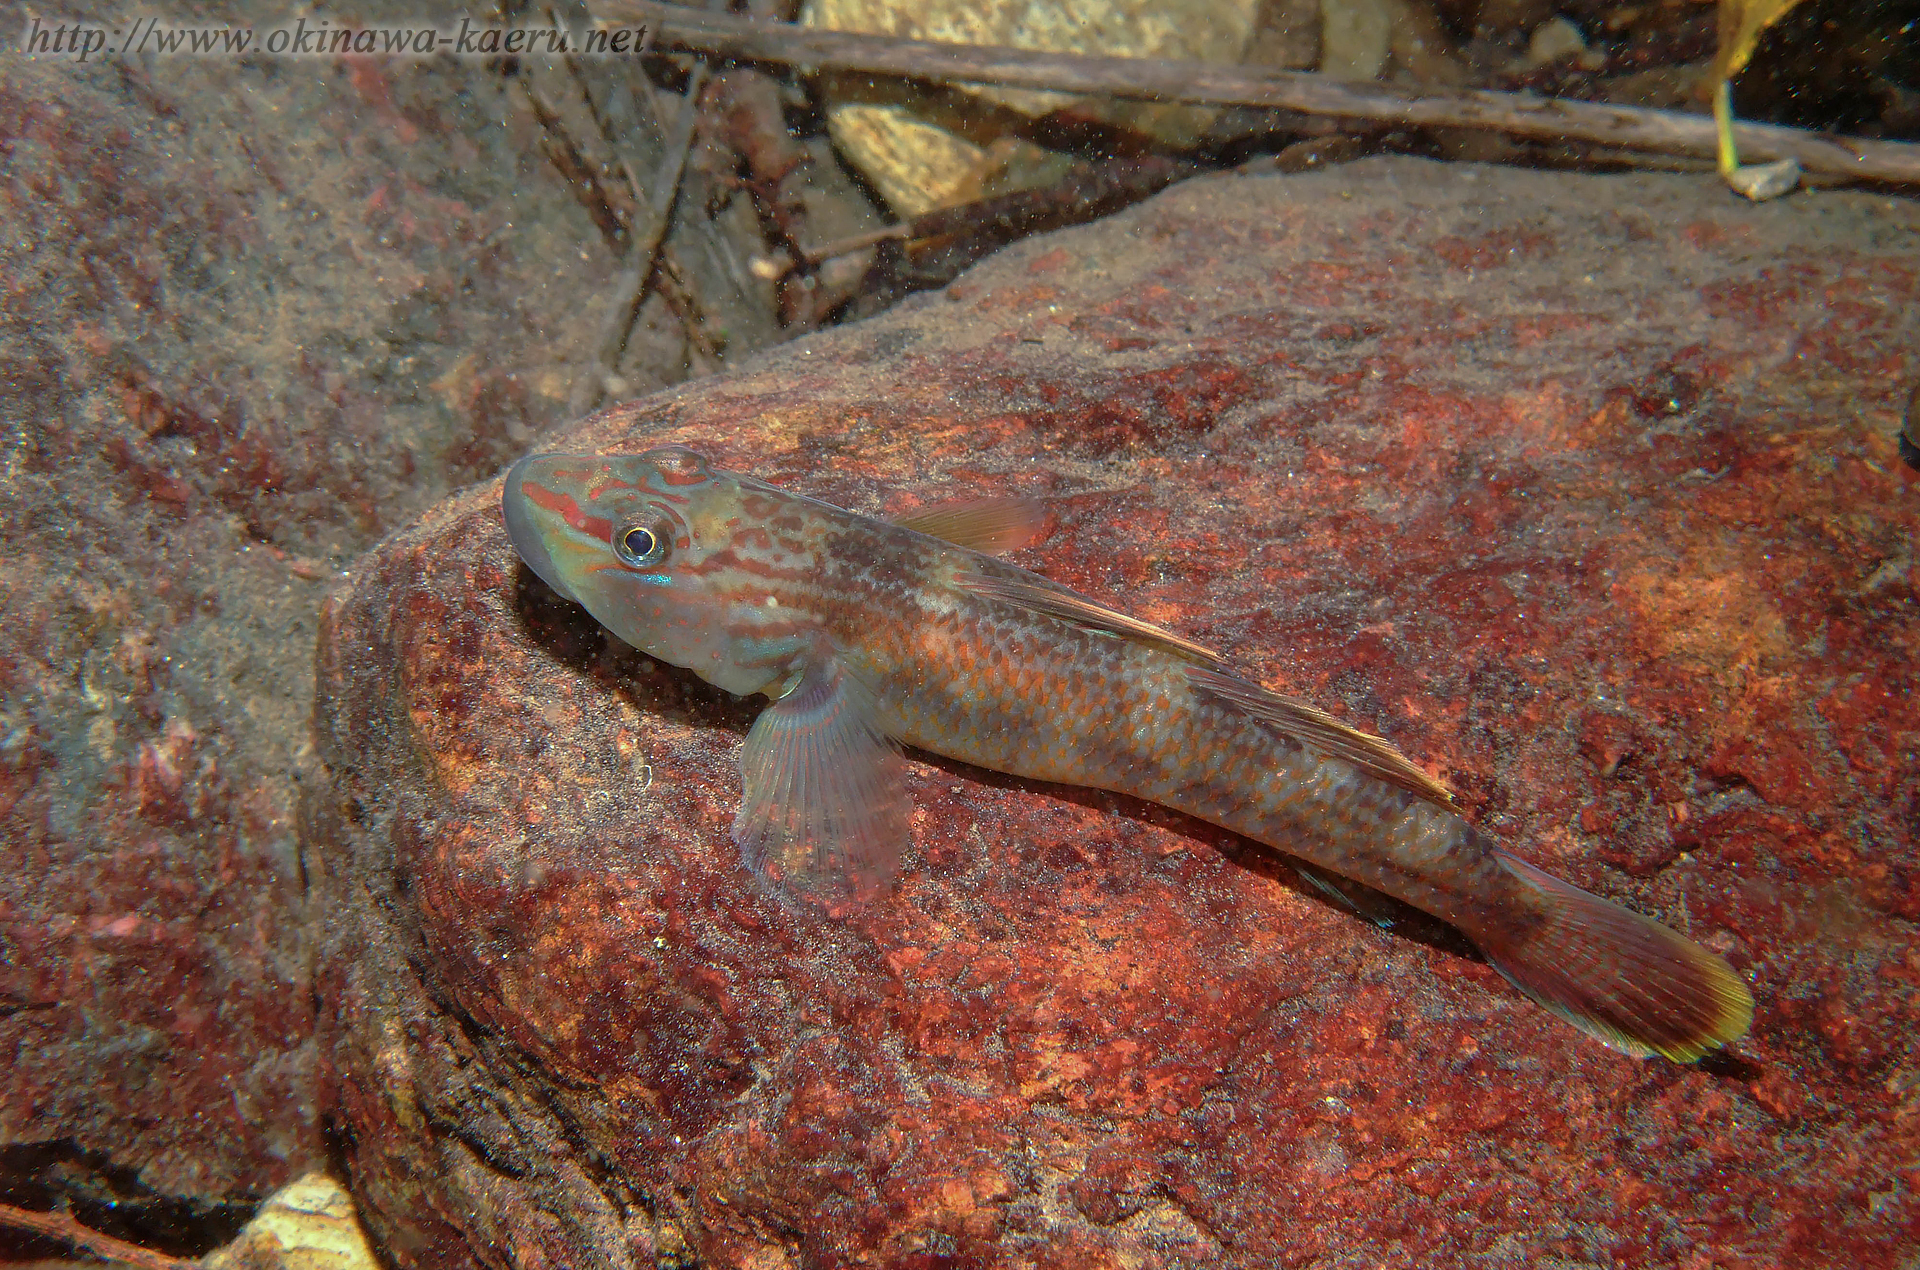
column 564, row 506
column 759, row 505
column 752, row 536
column 546, row 499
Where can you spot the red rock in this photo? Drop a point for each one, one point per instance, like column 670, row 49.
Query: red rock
column 1605, row 740
column 1616, row 478
column 250, row 327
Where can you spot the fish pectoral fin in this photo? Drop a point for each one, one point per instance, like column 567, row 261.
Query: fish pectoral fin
column 1069, row 606
column 988, row 525
column 825, row 810
column 1372, row 754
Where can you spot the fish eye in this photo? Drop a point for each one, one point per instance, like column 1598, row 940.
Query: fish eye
column 642, row 545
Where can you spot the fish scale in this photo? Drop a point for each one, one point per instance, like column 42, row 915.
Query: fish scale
column 1107, row 711
column 867, row 634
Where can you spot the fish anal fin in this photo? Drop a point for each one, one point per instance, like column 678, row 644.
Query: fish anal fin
column 1360, row 900
column 1621, row 978
column 1068, row 606
column 825, row 809
column 1372, row 754
column 986, row 525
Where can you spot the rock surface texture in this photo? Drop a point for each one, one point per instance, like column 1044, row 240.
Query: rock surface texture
column 1583, row 490
column 257, row 313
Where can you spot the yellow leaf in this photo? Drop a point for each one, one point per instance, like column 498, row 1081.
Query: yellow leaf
column 1741, row 22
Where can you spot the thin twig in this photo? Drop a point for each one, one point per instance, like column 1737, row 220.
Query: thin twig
column 703, row 355
column 1157, row 79
column 62, row 1226
column 976, row 227
column 644, row 249
column 575, row 168
column 847, row 246
column 666, row 183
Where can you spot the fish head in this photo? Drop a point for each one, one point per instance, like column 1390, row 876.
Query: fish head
column 646, row 544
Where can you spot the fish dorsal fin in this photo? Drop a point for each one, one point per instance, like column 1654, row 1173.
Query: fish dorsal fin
column 1043, row 597
column 1373, row 755
column 987, row 525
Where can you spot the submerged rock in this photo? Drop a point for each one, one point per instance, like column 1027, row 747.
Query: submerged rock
column 253, row 321
column 308, row 1225
column 1579, row 489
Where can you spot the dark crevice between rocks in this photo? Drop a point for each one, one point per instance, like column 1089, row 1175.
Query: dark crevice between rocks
column 1731, row 1067
column 337, row 1145
column 107, row 1197
column 516, row 1088
column 480, row 1150
column 11, row 1005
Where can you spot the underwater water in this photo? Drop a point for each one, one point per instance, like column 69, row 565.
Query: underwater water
column 338, row 840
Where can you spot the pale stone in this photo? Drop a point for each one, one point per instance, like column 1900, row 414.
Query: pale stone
column 919, row 160
column 1356, row 37
column 1762, row 181
column 1554, row 39
column 308, row 1225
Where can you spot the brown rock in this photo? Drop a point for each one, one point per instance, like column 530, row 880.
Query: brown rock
column 1381, row 432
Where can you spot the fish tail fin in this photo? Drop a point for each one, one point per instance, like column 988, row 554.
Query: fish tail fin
column 1621, row 978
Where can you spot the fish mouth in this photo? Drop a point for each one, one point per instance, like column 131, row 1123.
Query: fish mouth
column 523, row 529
